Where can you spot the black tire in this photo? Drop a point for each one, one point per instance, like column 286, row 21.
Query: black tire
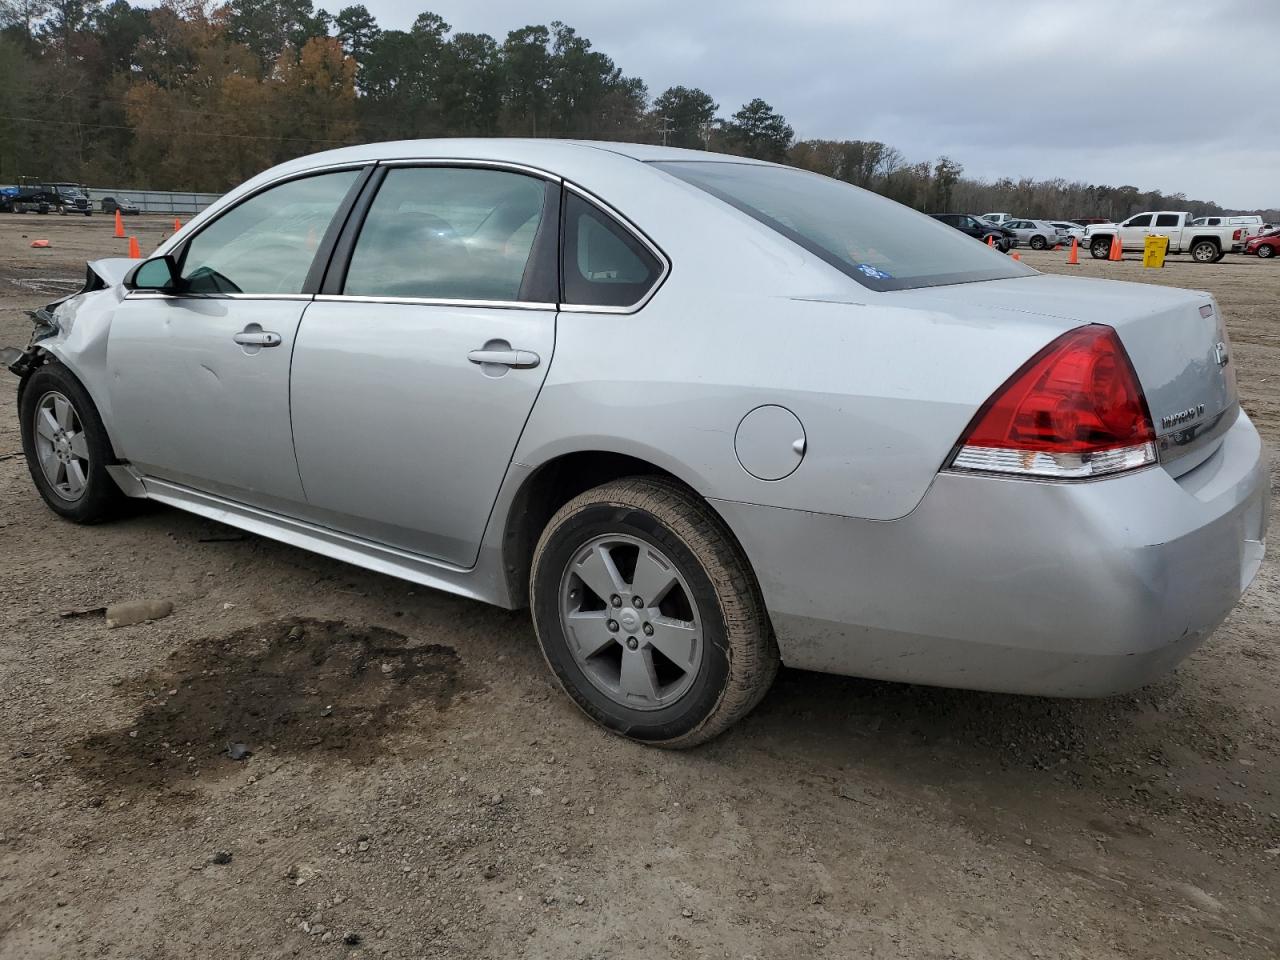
column 739, row 656
column 1205, row 251
column 1100, row 248
column 1265, row 252
column 101, row 498
column 1038, row 242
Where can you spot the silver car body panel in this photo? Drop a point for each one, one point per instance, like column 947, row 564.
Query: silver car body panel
column 386, row 408
column 1061, row 589
column 846, row 546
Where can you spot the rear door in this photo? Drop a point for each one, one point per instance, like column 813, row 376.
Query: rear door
column 417, row 366
column 199, row 381
column 1166, row 225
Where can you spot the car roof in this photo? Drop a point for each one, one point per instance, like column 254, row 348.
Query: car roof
column 556, row 155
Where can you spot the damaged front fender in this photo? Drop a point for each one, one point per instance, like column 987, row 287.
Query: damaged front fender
column 21, row 361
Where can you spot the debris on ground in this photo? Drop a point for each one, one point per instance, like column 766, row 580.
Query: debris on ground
column 129, row 612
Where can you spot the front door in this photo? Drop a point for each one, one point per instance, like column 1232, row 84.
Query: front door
column 200, row 378
column 1133, row 232
column 414, row 375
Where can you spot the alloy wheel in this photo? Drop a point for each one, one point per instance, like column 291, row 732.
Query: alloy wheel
column 631, row 622
column 61, row 446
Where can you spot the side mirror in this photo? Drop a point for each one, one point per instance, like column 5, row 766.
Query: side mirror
column 159, row 274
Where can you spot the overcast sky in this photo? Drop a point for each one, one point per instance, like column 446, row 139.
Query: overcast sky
column 1175, row 95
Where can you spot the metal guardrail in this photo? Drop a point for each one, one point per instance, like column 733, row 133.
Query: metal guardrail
column 155, row 201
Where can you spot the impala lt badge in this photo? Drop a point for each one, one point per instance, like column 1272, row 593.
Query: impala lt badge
column 1182, row 416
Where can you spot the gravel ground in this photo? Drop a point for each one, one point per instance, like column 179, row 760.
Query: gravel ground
column 411, row 784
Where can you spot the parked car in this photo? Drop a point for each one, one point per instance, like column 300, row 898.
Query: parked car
column 1068, row 230
column 980, row 229
column 997, row 217
column 1266, row 245
column 702, row 416
column 1205, row 244
column 124, row 205
column 1086, row 221
column 1037, row 234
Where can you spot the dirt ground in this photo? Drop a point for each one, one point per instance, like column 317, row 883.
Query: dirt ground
column 415, row 786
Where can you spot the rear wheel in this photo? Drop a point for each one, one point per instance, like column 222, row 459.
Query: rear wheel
column 1204, row 251
column 1100, row 248
column 649, row 615
column 67, row 448
column 1265, row 251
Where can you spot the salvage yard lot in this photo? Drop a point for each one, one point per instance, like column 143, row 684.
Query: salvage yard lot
column 417, row 787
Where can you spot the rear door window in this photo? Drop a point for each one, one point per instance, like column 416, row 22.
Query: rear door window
column 603, row 263
column 1166, row 220
column 449, row 233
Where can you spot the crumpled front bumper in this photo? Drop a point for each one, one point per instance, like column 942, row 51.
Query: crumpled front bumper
column 1057, row 589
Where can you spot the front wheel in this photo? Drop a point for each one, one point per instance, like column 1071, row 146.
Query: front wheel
column 1264, row 252
column 649, row 615
column 1204, row 251
column 67, row 448
column 1100, row 248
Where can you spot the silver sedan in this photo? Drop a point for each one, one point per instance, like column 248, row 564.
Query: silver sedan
column 702, row 415
column 1037, row 234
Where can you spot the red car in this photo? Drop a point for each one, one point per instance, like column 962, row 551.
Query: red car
column 1264, row 245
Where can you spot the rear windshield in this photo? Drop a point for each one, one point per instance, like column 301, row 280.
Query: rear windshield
column 881, row 244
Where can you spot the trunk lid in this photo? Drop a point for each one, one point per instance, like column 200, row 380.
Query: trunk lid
column 1175, row 338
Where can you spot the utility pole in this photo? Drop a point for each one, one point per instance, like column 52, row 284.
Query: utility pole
column 666, row 129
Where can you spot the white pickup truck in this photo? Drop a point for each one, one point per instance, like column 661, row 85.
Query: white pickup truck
column 1205, row 244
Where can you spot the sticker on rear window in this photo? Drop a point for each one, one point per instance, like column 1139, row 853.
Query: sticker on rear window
column 875, row 273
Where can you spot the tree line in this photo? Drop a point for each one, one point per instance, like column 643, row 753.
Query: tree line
column 200, row 95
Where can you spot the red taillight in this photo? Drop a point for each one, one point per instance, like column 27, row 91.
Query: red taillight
column 1237, row 235
column 1075, row 410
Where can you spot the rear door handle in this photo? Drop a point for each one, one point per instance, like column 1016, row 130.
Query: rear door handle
column 505, row 357
column 258, row 338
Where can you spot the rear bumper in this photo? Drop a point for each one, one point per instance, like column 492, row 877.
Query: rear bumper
column 1057, row 589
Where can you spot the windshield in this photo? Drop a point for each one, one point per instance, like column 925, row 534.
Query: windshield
column 881, row 244
column 69, row 191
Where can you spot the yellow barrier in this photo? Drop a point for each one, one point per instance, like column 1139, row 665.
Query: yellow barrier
column 1154, row 250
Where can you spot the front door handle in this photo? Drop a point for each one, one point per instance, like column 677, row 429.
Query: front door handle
column 504, row 356
column 258, row 338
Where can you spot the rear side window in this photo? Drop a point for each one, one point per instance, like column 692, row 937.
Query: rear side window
column 879, row 243
column 266, row 244
column 603, row 263
column 448, row 233
column 1166, row 220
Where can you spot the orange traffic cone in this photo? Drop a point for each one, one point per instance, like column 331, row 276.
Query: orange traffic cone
column 1117, row 249
column 1074, row 256
column 40, row 243
column 1016, row 255
column 119, row 224
column 177, row 224
column 134, row 252
column 991, row 242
